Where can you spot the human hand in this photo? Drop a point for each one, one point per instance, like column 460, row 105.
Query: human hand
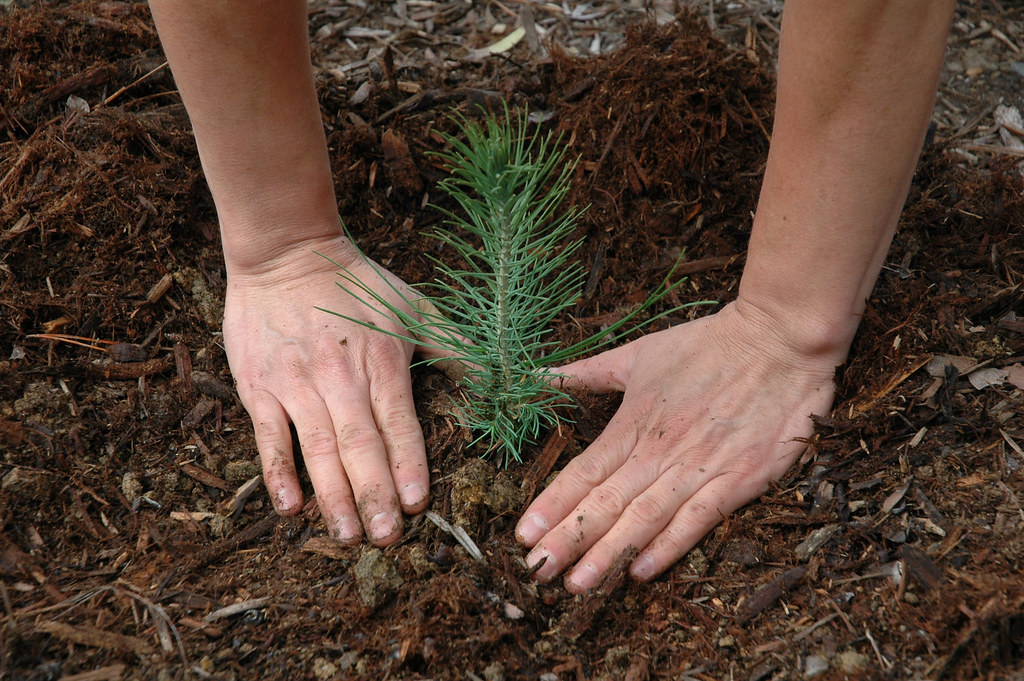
column 346, row 388
column 713, row 410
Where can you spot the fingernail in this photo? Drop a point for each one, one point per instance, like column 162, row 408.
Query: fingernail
column 346, row 529
column 287, row 500
column 642, row 568
column 546, row 571
column 412, row 494
column 532, row 528
column 584, row 577
column 382, row 525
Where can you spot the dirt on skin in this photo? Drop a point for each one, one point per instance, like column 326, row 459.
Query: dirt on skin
column 131, row 539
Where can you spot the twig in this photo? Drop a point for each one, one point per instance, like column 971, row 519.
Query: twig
column 111, row 98
column 886, row 664
column 237, row 609
column 460, row 534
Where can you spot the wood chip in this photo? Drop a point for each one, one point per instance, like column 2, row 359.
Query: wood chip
column 161, row 287
column 237, row 501
column 580, row 619
column 200, row 474
column 767, row 595
column 112, row 672
column 918, row 565
column 814, row 541
column 326, row 547
column 91, row 637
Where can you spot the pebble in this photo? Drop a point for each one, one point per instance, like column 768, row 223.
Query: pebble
column 24, row 483
column 323, row 668
column 131, row 486
column 494, row 672
column 377, row 578
column 815, row 665
column 852, row 662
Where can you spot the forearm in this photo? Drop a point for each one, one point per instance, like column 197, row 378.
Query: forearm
column 856, row 86
column 243, row 70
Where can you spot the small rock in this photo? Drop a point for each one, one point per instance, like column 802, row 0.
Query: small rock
column 697, row 561
column 727, row 641
column 377, row 578
column 421, row 563
column 206, row 664
column 348, row 660
column 221, row 525
column 548, row 676
column 131, row 486
column 494, row 672
column 209, row 304
column 815, row 665
column 323, row 668
column 503, row 496
column 852, row 662
column 23, row 483
column 513, row 611
column 911, row 597
column 37, row 398
column 238, row 472
column 617, row 657
column 470, row 487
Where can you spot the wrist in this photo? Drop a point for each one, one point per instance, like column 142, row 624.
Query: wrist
column 291, row 248
column 807, row 332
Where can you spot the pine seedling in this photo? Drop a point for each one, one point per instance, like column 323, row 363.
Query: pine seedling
column 494, row 311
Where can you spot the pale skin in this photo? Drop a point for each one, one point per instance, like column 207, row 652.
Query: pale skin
column 712, row 411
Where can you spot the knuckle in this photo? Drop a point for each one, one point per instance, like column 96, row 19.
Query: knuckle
column 270, row 432
column 358, row 438
column 387, row 359
column 317, row 444
column 608, row 502
column 589, row 470
column 647, row 510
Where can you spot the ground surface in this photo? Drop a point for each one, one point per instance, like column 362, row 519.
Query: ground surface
column 894, row 550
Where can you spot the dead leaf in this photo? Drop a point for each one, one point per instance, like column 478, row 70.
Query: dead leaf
column 936, row 366
column 894, row 498
column 1015, row 375
column 503, row 45
column 984, row 378
column 974, row 479
column 394, row 147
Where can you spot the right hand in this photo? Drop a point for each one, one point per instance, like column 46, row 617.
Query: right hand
column 346, row 389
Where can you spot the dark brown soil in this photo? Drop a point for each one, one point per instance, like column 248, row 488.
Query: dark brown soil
column 894, row 550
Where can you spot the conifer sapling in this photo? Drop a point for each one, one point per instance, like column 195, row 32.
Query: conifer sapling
column 494, row 311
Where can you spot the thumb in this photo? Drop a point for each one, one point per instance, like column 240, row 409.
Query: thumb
column 606, row 372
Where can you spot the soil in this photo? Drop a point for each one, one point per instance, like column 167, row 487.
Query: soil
column 136, row 541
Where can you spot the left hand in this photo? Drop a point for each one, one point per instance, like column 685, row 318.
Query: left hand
column 713, row 410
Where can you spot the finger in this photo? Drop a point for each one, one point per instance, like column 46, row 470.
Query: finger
column 551, row 525
column 395, row 415
column 574, row 482
column 639, row 522
column 361, row 451
column 320, row 453
column 708, row 507
column 606, row 372
column 274, row 443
